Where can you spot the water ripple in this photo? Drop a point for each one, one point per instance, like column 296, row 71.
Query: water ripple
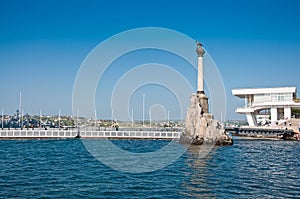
column 64, row 168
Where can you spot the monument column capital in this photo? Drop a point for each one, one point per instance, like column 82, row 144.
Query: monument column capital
column 199, row 50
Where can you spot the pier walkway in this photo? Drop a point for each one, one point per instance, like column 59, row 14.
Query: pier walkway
column 56, row 133
column 258, row 131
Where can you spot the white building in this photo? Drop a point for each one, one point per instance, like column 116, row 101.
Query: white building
column 279, row 102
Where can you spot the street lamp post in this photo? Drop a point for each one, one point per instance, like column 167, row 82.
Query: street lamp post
column 59, row 118
column 2, row 119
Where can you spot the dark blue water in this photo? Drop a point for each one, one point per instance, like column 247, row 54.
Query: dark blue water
column 65, row 169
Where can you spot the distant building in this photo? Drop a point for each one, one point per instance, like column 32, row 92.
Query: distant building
column 278, row 103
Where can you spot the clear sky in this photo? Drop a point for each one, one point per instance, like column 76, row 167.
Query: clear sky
column 255, row 43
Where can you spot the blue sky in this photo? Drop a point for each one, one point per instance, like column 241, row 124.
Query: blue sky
column 43, row 43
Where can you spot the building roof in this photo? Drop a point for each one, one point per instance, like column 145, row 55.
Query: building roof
column 253, row 91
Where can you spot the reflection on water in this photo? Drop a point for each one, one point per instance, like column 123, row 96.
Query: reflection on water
column 196, row 184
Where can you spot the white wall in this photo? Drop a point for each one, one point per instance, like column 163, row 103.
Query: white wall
column 287, row 112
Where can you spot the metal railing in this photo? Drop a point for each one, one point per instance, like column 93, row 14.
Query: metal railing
column 56, row 133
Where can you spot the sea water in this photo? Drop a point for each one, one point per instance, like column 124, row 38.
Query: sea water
column 65, row 169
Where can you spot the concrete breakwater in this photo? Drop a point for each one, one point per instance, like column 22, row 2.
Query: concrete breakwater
column 132, row 133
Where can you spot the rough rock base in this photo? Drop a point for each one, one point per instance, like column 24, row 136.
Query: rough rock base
column 185, row 139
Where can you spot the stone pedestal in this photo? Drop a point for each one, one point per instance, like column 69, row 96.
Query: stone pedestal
column 203, row 101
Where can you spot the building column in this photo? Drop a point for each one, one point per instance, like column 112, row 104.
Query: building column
column 287, row 113
column 251, row 119
column 274, row 116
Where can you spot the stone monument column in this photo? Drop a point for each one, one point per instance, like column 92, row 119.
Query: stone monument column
column 203, row 99
column 200, row 52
